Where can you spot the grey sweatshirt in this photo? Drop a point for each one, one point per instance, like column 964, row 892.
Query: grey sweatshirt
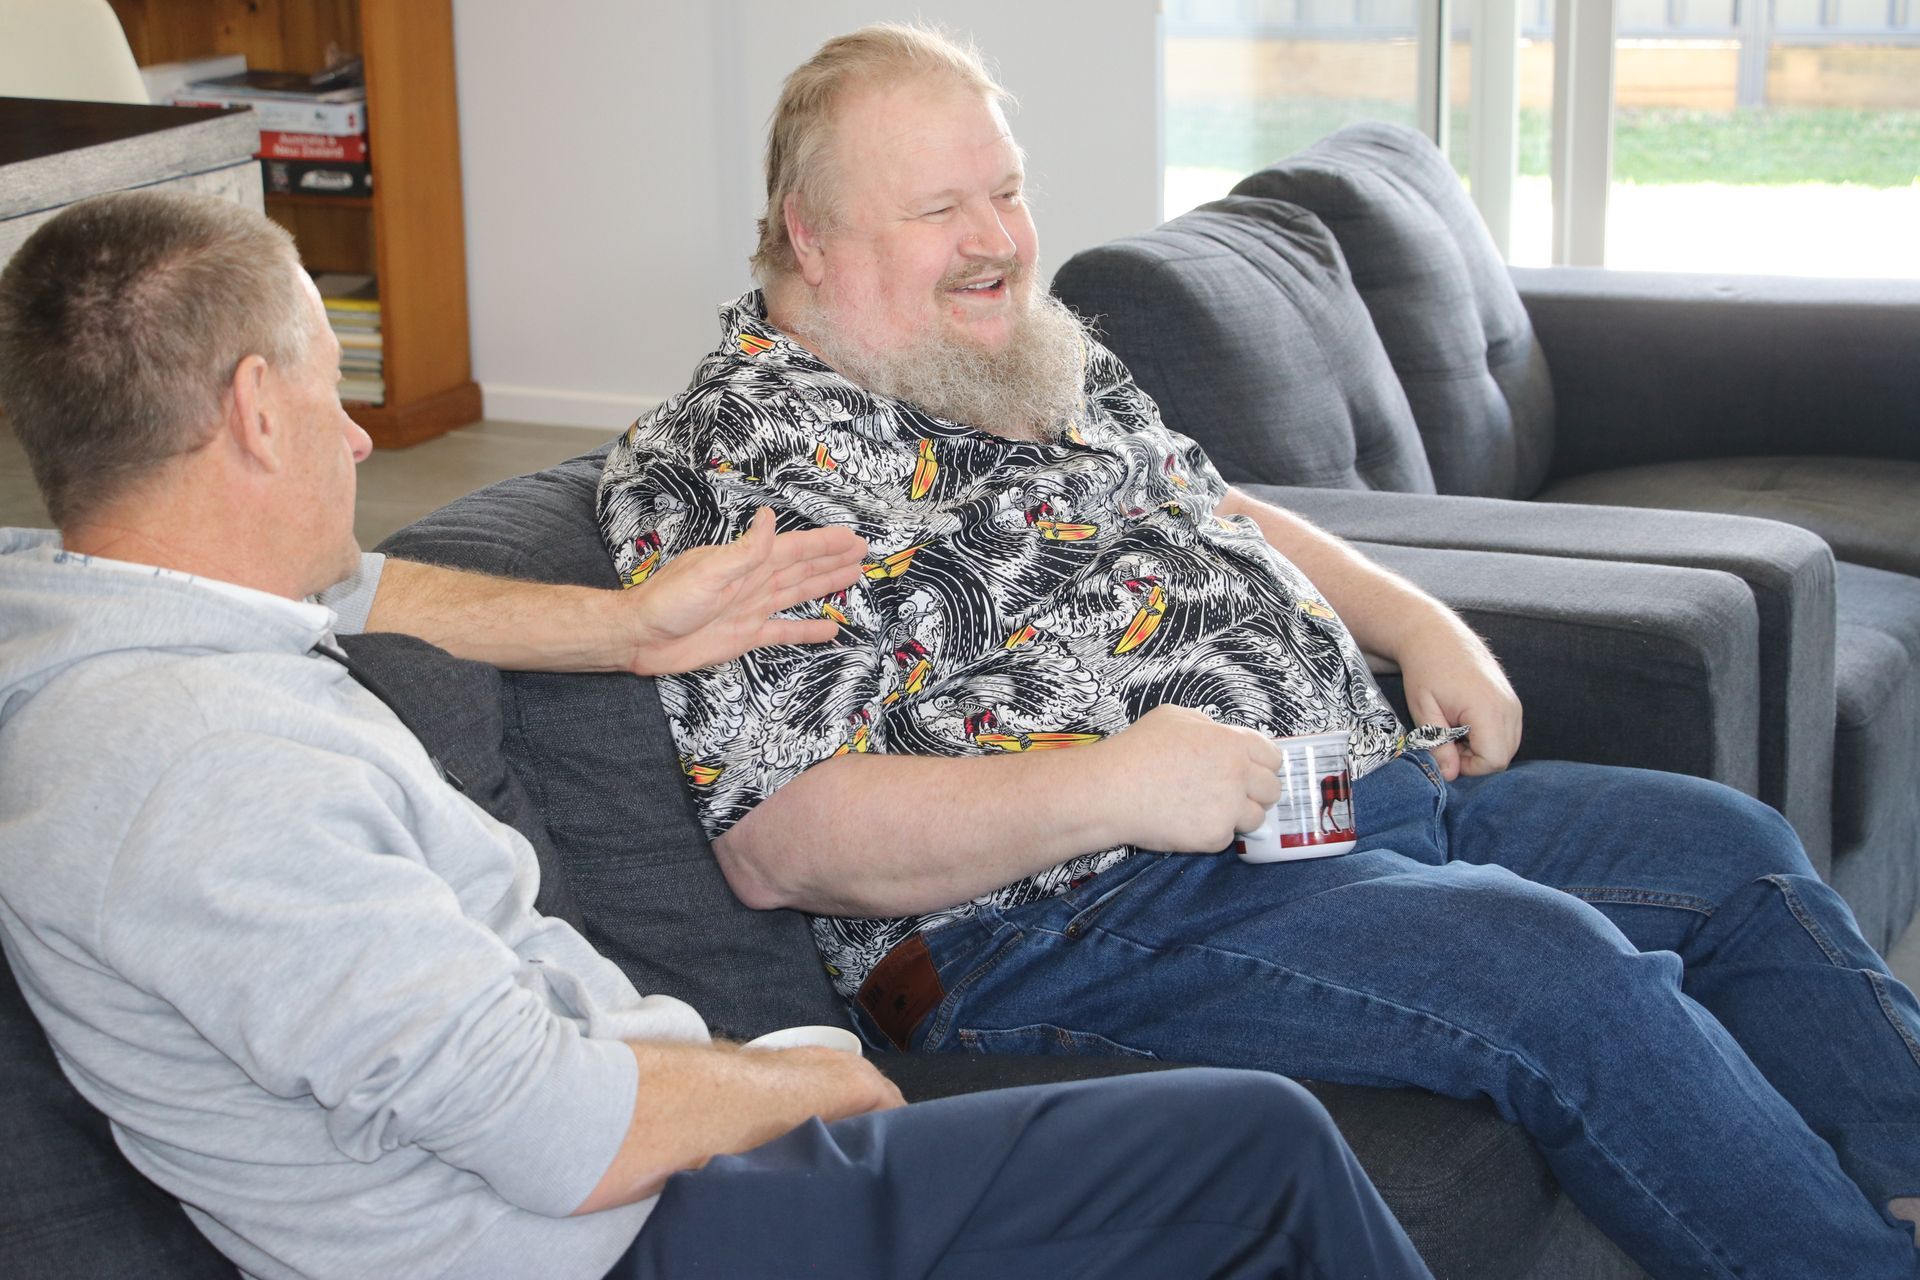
column 301, row 975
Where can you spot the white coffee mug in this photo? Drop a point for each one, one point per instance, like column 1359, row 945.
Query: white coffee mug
column 1314, row 816
column 822, row 1037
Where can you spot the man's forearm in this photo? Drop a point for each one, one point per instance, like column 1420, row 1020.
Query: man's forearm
column 874, row 835
column 1449, row 674
column 705, row 606
column 518, row 626
column 1384, row 611
column 695, row 1102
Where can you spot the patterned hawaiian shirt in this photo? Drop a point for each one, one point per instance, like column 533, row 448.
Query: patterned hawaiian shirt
column 1017, row 596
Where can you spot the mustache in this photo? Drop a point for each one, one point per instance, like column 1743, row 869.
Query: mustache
column 1011, row 268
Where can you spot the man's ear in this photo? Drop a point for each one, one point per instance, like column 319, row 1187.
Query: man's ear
column 808, row 252
column 251, row 425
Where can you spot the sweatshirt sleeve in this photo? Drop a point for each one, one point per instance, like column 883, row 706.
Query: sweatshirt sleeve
column 274, row 894
column 352, row 599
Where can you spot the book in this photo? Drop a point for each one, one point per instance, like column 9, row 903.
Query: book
column 373, row 390
column 164, row 79
column 352, row 341
column 285, row 115
column 317, row 177
column 285, row 102
column 277, row 144
column 289, row 86
column 348, row 291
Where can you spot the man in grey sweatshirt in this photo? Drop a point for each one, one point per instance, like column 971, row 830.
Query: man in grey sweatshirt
column 303, row 976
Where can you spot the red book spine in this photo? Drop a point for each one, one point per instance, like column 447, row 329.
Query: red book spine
column 276, row 145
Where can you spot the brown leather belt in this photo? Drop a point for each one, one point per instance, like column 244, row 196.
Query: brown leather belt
column 902, row 990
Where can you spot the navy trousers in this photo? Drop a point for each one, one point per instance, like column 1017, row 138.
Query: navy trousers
column 1164, row 1175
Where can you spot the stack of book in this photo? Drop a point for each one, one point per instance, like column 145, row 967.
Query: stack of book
column 353, row 309
column 313, row 138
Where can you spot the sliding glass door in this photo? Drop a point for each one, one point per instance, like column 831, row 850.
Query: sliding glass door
column 1706, row 135
column 1250, row 81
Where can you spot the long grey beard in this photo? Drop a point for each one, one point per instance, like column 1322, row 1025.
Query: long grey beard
column 1031, row 389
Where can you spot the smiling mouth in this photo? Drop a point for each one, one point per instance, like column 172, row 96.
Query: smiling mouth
column 988, row 286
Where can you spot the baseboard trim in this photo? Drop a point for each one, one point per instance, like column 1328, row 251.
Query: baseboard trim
column 557, row 407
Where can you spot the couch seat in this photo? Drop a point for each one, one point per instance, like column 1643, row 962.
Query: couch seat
column 1865, row 508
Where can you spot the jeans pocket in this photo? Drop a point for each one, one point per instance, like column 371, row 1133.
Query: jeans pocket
column 1043, row 1038
column 1092, row 898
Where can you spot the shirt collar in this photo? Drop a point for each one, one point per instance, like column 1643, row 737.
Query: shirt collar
column 303, row 612
column 751, row 336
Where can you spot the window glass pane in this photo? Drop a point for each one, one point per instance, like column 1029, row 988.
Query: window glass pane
column 1250, row 81
column 1531, row 241
column 1460, row 114
column 1778, row 137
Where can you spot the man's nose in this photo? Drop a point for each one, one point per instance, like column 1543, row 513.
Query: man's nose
column 359, row 443
column 987, row 236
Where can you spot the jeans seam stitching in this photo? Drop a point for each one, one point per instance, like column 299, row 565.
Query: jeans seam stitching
column 1878, row 982
column 1807, row 922
column 1640, row 897
column 944, row 1015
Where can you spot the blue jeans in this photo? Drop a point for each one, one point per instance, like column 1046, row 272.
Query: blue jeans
column 1178, row 1173
column 1641, row 969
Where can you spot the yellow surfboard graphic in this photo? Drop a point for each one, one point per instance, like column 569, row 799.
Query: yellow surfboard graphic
column 923, row 472
column 1146, row 620
column 893, row 566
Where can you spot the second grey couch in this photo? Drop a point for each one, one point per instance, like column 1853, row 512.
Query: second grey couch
column 1342, row 338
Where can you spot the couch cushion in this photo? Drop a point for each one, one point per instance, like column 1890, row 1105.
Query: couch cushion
column 1445, row 308
column 1876, row 749
column 1867, row 509
column 1240, row 320
column 70, row 1204
column 600, row 767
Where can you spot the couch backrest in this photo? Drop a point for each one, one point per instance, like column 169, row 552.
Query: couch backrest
column 1240, row 320
column 1440, row 297
column 596, row 759
column 70, row 1204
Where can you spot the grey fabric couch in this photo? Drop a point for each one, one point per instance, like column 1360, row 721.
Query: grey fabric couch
column 1341, row 336
column 585, row 766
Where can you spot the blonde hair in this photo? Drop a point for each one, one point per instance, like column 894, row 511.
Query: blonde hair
column 800, row 137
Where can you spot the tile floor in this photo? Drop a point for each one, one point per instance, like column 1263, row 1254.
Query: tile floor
column 398, row 485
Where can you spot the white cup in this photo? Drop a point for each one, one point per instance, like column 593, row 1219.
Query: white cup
column 822, row 1037
column 1314, row 816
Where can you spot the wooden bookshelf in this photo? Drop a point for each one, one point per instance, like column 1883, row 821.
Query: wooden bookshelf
column 410, row 234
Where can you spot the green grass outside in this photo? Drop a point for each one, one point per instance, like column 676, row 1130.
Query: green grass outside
column 1761, row 147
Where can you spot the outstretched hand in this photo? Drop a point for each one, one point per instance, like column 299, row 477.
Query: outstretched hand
column 712, row 604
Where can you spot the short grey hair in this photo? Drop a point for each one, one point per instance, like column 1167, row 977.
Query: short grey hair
column 800, row 137
column 122, row 321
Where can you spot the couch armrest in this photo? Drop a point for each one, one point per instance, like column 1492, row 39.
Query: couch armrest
column 1649, row 666
column 1659, row 367
column 1787, row 571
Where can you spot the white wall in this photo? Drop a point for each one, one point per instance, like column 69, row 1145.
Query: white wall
column 611, row 157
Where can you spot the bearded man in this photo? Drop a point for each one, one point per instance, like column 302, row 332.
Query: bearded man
column 1050, row 567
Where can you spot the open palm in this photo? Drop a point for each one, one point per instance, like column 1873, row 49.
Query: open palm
column 711, row 604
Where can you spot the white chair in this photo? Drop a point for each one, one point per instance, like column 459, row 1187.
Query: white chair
column 71, row 49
